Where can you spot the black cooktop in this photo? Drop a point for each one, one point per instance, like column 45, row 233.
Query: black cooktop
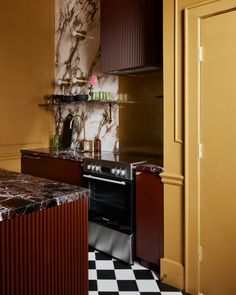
column 118, row 157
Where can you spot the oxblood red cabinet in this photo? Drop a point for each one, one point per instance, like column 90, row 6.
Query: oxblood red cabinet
column 45, row 252
column 53, row 168
column 149, row 218
column 131, row 35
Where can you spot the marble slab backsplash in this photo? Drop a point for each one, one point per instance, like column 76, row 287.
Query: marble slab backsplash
column 99, row 122
column 75, row 57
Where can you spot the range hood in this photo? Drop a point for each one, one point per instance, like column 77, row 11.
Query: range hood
column 136, row 70
column 131, row 36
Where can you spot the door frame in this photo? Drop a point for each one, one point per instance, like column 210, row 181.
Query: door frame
column 193, row 15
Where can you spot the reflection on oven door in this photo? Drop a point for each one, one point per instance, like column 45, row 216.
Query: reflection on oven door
column 110, row 205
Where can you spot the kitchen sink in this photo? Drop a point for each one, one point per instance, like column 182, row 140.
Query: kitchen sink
column 70, row 152
column 74, row 153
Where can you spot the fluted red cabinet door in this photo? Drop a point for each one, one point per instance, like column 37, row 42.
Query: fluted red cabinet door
column 149, row 218
column 131, row 35
column 46, row 253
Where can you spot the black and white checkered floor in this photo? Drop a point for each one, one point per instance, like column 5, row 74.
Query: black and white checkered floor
column 108, row 276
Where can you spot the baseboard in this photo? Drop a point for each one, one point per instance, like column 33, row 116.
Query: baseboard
column 174, row 271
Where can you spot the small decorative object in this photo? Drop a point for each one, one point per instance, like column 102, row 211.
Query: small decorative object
column 67, row 98
column 88, row 146
column 97, row 144
column 101, row 95
column 82, row 81
column 93, row 81
column 66, row 134
column 56, row 142
column 123, row 97
column 94, row 95
column 81, row 97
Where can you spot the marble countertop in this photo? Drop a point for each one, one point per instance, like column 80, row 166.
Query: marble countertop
column 148, row 167
column 21, row 194
column 76, row 155
column 67, row 154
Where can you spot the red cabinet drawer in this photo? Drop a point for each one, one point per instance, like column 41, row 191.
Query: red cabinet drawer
column 57, row 169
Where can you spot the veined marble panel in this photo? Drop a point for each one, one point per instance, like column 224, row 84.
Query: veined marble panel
column 76, row 57
column 21, row 194
column 96, row 117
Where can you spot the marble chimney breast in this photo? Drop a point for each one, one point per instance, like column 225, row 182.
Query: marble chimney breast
column 75, row 57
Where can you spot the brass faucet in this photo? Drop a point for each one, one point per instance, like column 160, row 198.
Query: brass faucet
column 82, row 119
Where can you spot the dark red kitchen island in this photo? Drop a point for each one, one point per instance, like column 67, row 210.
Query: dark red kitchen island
column 43, row 236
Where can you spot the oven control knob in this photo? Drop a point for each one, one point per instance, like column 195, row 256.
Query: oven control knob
column 118, row 171
column 98, row 168
column 92, row 167
column 123, row 172
column 113, row 170
column 88, row 166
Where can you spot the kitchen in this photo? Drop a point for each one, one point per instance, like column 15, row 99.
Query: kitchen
column 38, row 49
column 77, row 59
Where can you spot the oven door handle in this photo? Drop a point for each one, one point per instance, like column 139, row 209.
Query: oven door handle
column 105, row 179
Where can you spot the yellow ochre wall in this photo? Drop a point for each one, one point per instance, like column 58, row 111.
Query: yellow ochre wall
column 173, row 177
column 26, row 75
column 141, row 116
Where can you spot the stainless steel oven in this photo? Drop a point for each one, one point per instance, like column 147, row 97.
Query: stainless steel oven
column 111, row 207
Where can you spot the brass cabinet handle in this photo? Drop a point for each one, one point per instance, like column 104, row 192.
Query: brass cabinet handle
column 31, row 157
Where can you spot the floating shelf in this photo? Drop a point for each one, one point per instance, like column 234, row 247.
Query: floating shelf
column 78, row 102
column 110, row 102
column 138, row 102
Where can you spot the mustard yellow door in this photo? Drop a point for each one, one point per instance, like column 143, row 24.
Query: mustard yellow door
column 211, row 149
column 218, row 163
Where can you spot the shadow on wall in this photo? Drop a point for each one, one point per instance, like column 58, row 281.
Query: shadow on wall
column 27, row 71
column 141, row 116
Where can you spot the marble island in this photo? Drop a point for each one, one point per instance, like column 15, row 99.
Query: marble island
column 43, row 236
column 21, row 194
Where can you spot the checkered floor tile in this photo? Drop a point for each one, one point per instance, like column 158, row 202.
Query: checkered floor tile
column 108, row 276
